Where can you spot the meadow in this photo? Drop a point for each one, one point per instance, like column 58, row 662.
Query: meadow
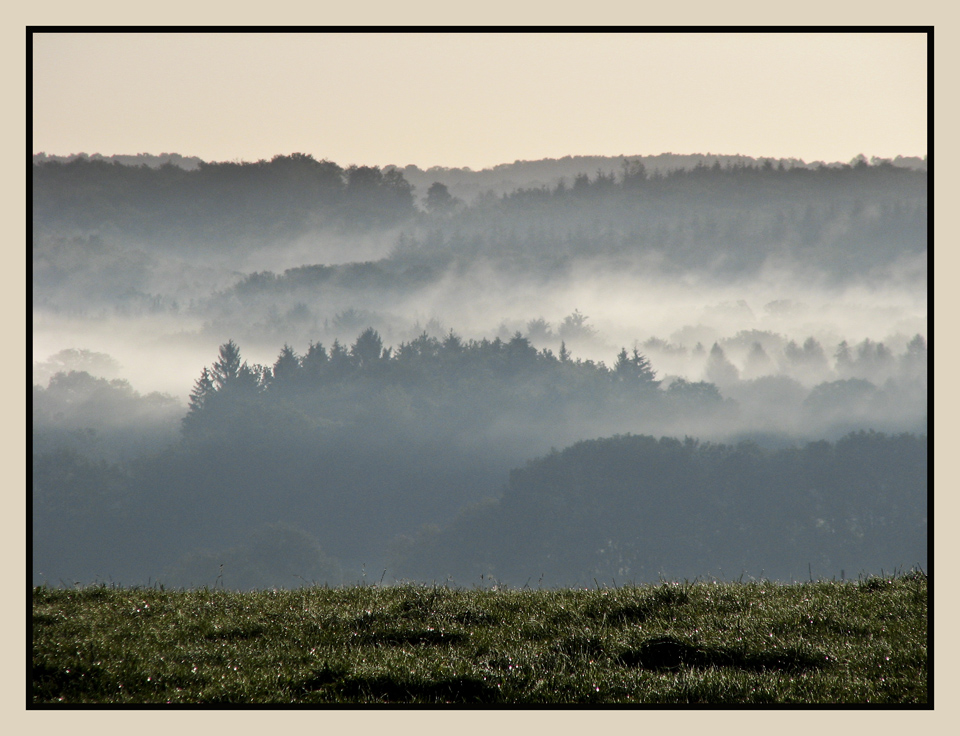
column 859, row 641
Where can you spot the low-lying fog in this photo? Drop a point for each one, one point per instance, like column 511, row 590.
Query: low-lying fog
column 777, row 336
column 666, row 316
column 802, row 309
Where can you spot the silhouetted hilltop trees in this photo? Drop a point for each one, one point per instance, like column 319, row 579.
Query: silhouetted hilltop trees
column 357, row 443
column 310, row 465
column 726, row 220
column 140, row 159
column 635, row 508
column 467, row 183
column 139, row 240
column 464, row 385
column 739, row 214
column 335, row 454
column 265, row 200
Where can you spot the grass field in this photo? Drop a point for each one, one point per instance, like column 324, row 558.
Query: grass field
column 673, row 643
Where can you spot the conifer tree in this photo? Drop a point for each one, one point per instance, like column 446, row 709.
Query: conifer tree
column 227, row 368
column 203, row 388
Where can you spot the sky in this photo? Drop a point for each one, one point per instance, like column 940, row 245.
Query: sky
column 479, row 99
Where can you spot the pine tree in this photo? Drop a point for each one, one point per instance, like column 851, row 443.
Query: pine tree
column 634, row 368
column 227, row 368
column 642, row 368
column 203, row 388
column 314, row 362
column 368, row 349
column 340, row 362
column 287, row 368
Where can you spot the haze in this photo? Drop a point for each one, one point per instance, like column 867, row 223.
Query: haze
column 479, row 100
column 285, row 334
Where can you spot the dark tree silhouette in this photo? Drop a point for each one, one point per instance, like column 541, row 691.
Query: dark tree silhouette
column 368, row 350
column 226, row 370
column 634, row 369
column 439, row 199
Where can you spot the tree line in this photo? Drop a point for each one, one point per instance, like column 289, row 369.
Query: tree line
column 267, row 201
column 362, row 454
column 635, row 508
column 511, row 377
column 264, row 199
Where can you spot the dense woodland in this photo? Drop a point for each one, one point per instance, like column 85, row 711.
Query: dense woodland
column 390, row 442
column 360, row 455
column 232, row 205
column 634, row 508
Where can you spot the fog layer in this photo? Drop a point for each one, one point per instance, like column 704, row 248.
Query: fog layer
column 396, row 352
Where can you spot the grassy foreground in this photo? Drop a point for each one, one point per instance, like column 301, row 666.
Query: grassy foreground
column 709, row 643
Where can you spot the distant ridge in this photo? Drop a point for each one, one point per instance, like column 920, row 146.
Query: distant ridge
column 505, row 178
column 140, row 159
column 467, row 183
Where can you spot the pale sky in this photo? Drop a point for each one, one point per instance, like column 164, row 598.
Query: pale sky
column 480, row 99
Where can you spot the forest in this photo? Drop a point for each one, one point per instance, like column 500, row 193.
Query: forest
column 289, row 372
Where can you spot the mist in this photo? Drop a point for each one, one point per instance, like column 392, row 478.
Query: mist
column 455, row 335
column 673, row 320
